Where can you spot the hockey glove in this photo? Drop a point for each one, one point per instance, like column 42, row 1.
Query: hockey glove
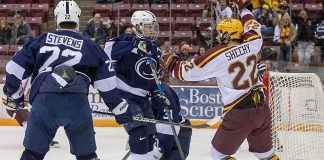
column 167, row 62
column 158, row 100
column 121, row 114
column 11, row 103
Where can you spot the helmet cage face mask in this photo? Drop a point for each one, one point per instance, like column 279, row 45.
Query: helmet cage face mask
column 144, row 24
column 149, row 31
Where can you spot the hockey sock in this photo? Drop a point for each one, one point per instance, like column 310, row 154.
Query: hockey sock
column 28, row 155
column 92, row 156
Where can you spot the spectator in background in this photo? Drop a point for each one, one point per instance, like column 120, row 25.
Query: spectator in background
column 128, row 29
column 201, row 51
column 5, row 32
column 115, row 27
column 20, row 31
column 209, row 40
column 277, row 18
column 222, row 11
column 184, row 51
column 257, row 7
column 266, row 19
column 319, row 35
column 305, row 38
column 282, row 9
column 286, row 39
column 95, row 30
column 166, row 48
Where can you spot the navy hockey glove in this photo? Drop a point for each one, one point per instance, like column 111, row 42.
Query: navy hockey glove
column 158, row 100
column 146, row 46
column 12, row 103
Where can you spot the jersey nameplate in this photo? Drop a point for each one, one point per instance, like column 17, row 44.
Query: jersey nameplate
column 55, row 39
column 237, row 52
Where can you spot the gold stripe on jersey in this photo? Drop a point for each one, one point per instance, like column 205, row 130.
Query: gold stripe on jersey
column 213, row 55
column 179, row 71
column 252, row 38
column 238, row 100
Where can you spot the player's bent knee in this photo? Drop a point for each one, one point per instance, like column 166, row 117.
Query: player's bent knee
column 28, row 155
column 216, row 155
column 139, row 141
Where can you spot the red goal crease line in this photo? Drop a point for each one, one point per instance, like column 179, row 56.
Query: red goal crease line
column 300, row 127
column 96, row 123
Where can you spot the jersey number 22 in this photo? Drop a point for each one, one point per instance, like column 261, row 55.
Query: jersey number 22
column 241, row 66
column 56, row 52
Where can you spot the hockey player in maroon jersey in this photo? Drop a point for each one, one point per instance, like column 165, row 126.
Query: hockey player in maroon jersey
column 233, row 64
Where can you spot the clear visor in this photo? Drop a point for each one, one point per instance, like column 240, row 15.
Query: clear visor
column 150, row 31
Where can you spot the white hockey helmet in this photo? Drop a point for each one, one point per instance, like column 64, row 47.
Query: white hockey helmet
column 67, row 11
column 144, row 24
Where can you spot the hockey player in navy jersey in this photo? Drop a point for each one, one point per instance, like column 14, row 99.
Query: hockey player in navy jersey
column 62, row 65
column 130, row 54
column 165, row 147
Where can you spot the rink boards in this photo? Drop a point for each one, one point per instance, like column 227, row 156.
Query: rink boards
column 198, row 103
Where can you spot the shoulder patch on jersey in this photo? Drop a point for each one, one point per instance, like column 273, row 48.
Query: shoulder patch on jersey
column 250, row 36
column 210, row 54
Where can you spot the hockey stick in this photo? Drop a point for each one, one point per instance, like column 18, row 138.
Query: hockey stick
column 143, row 47
column 126, row 155
column 144, row 119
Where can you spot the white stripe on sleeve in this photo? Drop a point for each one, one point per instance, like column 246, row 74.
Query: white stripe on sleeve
column 136, row 91
column 105, row 85
column 15, row 69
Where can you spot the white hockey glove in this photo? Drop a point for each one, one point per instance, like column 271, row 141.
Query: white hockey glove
column 121, row 108
column 121, row 114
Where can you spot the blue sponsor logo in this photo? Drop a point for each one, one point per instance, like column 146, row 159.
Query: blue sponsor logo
column 199, row 102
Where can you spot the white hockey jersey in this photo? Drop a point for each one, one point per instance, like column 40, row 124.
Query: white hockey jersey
column 233, row 66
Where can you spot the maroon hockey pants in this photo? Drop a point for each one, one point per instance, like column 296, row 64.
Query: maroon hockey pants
column 239, row 124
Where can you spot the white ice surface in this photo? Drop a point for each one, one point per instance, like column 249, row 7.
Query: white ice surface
column 110, row 144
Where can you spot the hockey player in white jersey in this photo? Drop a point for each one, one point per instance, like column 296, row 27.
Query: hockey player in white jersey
column 233, row 64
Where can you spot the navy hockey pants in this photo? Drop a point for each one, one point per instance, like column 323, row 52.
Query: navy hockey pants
column 51, row 110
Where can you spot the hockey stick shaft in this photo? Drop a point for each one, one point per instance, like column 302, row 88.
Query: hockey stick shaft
column 158, row 84
column 149, row 120
column 126, row 155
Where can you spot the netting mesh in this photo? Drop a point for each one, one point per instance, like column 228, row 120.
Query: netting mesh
column 297, row 108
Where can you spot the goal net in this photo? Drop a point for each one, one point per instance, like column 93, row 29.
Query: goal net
column 296, row 101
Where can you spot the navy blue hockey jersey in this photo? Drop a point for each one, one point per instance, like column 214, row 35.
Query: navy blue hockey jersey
column 39, row 56
column 175, row 107
column 134, row 75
